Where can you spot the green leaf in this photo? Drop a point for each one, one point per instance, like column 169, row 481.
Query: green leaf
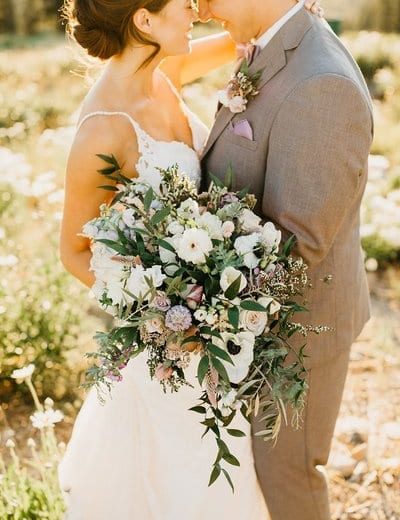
column 214, row 474
column 197, row 409
column 242, row 193
column 233, row 316
column 217, row 351
column 229, row 177
column 110, row 159
column 160, row 216
column 235, row 433
column 219, row 367
column 113, row 245
column 166, row 245
column 215, row 180
column 108, row 187
column 202, row 368
column 231, row 459
column 289, row 245
column 233, row 290
column 228, row 478
column 251, row 305
column 148, row 198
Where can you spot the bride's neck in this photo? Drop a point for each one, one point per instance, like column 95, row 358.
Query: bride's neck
column 128, row 74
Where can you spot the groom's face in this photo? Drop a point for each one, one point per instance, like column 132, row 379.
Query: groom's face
column 236, row 16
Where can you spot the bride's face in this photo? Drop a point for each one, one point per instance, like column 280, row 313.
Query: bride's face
column 172, row 27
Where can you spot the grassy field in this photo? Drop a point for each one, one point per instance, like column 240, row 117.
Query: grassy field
column 41, row 86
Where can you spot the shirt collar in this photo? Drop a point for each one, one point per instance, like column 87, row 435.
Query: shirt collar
column 265, row 38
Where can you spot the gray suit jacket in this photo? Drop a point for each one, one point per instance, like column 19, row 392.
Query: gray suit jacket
column 307, row 166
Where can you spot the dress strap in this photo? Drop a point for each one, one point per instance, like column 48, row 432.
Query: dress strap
column 139, row 132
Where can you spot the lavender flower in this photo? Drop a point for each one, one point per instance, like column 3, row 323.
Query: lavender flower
column 178, row 318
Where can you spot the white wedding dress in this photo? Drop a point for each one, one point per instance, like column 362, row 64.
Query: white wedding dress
column 140, row 456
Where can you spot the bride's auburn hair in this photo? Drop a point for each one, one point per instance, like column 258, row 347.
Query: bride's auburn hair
column 104, row 27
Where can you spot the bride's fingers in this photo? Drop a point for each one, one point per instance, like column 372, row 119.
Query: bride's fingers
column 315, row 7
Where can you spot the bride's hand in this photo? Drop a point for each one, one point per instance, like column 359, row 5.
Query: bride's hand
column 315, row 7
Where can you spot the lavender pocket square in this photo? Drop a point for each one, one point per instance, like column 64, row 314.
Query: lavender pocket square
column 243, row 129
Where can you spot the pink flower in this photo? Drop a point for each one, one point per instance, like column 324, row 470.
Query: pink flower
column 163, row 373
column 195, row 296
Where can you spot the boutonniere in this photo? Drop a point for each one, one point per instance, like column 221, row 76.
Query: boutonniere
column 241, row 88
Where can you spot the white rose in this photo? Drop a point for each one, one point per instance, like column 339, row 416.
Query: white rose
column 212, row 224
column 253, row 321
column 229, row 275
column 249, row 220
column 228, row 228
column 237, row 104
column 270, row 237
column 194, row 246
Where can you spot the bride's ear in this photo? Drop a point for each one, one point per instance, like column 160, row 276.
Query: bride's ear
column 142, row 21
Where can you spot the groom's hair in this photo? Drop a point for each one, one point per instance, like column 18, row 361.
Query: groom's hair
column 104, row 27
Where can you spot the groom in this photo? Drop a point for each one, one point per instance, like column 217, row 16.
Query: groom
column 304, row 154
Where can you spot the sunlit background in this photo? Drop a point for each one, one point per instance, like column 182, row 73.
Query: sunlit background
column 48, row 320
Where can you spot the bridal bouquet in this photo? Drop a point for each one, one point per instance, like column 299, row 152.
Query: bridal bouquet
column 198, row 278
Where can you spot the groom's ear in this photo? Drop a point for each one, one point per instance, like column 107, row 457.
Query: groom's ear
column 142, row 20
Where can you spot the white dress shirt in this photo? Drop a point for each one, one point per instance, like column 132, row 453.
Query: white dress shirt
column 265, row 38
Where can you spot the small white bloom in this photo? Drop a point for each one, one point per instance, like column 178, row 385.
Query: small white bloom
column 128, row 217
column 31, row 443
column 189, row 208
column 249, row 220
column 175, row 228
column 10, row 443
column 270, row 237
column 236, row 104
column 46, row 419
column 137, row 284
column 228, row 228
column 229, row 275
column 23, row 373
column 200, row 314
column 212, row 224
column 211, row 318
column 194, row 246
column 48, row 402
column 229, row 398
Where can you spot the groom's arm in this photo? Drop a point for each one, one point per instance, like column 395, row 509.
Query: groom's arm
column 318, row 149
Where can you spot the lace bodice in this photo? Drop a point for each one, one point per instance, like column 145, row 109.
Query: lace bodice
column 154, row 153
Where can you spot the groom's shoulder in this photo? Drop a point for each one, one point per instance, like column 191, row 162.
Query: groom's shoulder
column 322, row 52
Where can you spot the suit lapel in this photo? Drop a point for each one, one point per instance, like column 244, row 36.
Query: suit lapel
column 270, row 61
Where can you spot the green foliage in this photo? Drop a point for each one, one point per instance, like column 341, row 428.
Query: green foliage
column 377, row 247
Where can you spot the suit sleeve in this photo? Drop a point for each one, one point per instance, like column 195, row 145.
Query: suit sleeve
column 318, row 150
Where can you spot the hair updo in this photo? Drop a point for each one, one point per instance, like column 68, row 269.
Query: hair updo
column 104, row 27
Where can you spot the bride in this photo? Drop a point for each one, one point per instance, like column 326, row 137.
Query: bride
column 141, row 454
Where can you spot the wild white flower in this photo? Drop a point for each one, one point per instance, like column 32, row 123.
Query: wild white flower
column 8, row 260
column 229, row 275
column 194, row 246
column 212, row 224
column 189, row 208
column 249, row 221
column 23, row 373
column 46, row 419
column 31, row 443
column 270, row 237
column 228, row 227
column 10, row 443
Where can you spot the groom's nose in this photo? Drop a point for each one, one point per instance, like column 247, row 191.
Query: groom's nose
column 204, row 11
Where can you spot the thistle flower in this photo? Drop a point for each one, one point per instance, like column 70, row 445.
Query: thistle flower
column 178, row 318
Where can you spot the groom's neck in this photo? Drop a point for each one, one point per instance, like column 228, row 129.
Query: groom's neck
column 269, row 13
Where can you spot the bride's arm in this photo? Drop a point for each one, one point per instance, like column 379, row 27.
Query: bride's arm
column 208, row 53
